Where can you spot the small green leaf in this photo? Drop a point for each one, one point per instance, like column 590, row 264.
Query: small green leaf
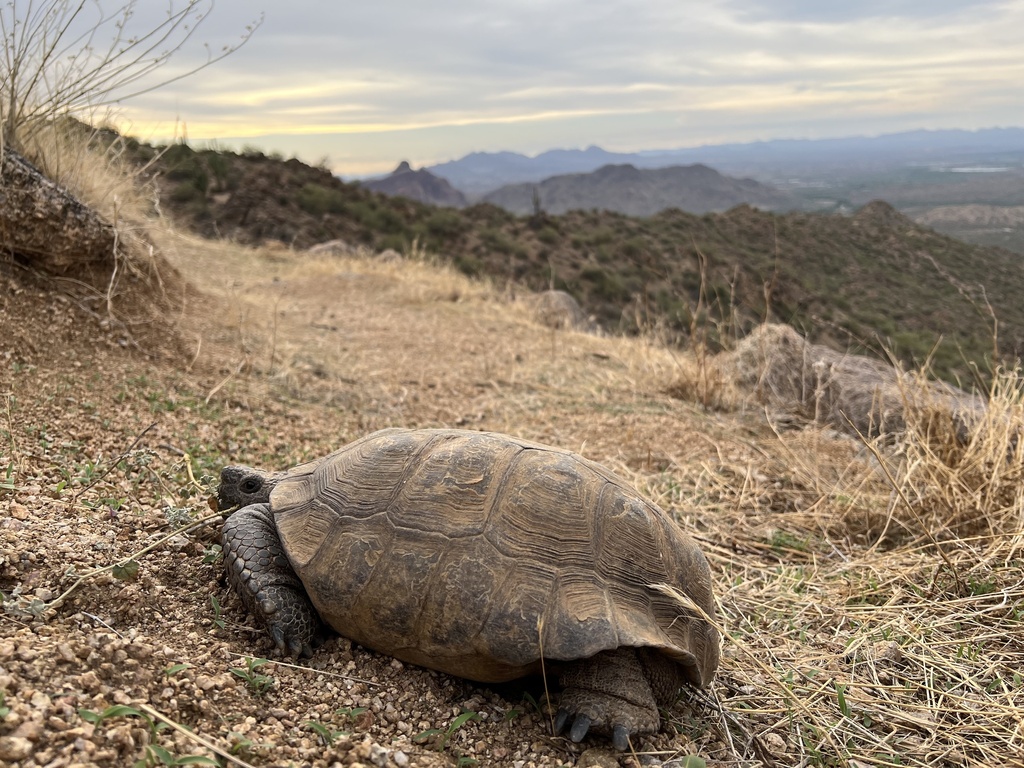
column 841, row 696
column 174, row 669
column 126, row 571
column 350, row 712
column 694, row 761
column 118, row 710
column 419, row 738
column 161, row 754
column 7, row 483
column 461, row 720
column 322, row 731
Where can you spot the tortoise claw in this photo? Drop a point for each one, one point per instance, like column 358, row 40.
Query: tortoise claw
column 278, row 637
column 579, row 729
column 620, row 738
column 290, row 646
column 561, row 718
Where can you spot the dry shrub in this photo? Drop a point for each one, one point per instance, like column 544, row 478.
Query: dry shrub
column 871, row 590
column 700, row 378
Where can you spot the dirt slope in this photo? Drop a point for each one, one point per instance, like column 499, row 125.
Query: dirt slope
column 277, row 360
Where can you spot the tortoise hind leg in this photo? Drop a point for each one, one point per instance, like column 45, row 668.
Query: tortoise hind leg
column 617, row 693
column 261, row 575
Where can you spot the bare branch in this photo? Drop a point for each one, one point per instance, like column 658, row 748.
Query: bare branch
column 53, row 68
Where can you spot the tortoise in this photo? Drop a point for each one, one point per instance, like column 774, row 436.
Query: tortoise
column 479, row 554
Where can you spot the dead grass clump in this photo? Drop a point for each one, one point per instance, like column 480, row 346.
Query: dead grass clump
column 870, row 588
column 962, row 480
column 875, row 659
column 92, row 164
column 130, row 291
column 839, row 651
column 700, row 378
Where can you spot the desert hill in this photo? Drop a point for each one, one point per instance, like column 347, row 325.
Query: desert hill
column 868, row 281
column 635, row 192
column 421, row 186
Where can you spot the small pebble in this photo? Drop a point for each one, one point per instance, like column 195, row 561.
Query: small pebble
column 14, row 748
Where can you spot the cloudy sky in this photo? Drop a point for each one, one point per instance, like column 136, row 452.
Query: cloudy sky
column 366, row 84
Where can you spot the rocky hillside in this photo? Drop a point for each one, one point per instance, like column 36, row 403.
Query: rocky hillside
column 639, row 192
column 421, row 186
column 867, row 281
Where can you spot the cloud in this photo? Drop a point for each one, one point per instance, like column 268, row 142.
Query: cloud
column 817, row 11
column 625, row 74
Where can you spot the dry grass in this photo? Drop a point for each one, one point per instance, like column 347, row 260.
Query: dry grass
column 94, row 169
column 130, row 288
column 873, row 591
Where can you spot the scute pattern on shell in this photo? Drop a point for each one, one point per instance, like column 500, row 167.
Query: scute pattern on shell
column 470, row 552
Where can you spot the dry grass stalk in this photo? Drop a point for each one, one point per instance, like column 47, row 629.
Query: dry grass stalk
column 967, row 482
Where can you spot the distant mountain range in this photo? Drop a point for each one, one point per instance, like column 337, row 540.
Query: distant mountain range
column 421, row 186
column 767, row 161
column 639, row 192
column 915, row 171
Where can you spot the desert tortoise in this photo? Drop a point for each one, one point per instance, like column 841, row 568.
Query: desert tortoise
column 475, row 553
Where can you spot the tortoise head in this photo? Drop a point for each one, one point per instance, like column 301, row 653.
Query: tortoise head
column 241, row 486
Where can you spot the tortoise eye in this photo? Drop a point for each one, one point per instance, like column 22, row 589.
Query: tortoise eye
column 250, row 485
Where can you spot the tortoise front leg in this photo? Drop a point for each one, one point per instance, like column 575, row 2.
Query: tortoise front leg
column 260, row 573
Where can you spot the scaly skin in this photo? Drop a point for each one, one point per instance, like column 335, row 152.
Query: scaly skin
column 260, row 573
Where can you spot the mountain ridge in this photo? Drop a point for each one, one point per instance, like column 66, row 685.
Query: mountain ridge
column 639, row 192
column 480, row 172
column 421, row 186
column 870, row 281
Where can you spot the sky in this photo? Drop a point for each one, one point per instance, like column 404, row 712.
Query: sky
column 363, row 85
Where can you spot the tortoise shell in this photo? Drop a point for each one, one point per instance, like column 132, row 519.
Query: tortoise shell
column 476, row 554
